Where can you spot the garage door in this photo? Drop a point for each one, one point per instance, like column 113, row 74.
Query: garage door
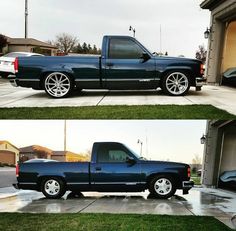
column 228, row 160
column 7, row 157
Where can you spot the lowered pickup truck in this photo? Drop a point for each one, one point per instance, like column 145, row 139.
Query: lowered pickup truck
column 113, row 168
column 125, row 64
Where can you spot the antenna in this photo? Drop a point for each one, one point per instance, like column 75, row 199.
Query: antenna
column 160, row 40
column 26, row 18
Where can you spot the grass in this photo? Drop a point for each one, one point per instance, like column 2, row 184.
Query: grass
column 118, row 112
column 107, row 222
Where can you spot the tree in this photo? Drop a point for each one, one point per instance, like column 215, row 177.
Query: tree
column 85, row 48
column 3, row 42
column 197, row 159
column 201, row 53
column 65, row 42
column 95, row 50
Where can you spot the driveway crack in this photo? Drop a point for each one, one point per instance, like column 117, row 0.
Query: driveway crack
column 102, row 98
column 87, row 206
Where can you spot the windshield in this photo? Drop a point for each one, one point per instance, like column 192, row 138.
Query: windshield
column 135, row 154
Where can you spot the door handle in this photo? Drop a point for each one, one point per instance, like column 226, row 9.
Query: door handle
column 110, row 64
column 98, row 168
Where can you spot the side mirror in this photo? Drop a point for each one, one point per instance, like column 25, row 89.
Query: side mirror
column 145, row 57
column 130, row 160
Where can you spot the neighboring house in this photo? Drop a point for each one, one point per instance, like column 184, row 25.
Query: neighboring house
column 219, row 150
column 9, row 154
column 222, row 38
column 29, row 45
column 37, row 151
column 34, row 151
column 66, row 156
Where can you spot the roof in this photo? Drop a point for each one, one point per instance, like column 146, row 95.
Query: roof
column 7, row 142
column 35, row 149
column 210, row 4
column 29, row 41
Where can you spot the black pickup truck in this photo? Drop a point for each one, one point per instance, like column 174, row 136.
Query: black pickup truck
column 125, row 64
column 113, row 168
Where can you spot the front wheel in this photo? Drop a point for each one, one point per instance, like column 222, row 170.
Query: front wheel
column 53, row 188
column 162, row 187
column 175, row 83
column 58, row 85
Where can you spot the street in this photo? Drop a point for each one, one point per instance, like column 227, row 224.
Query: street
column 7, row 176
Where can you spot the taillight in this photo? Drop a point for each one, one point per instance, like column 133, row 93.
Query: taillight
column 16, row 64
column 202, row 69
column 189, row 172
column 17, row 170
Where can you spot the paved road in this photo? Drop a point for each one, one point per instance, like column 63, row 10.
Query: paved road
column 220, row 97
column 7, row 177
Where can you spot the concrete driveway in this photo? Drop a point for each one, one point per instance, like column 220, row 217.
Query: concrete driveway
column 200, row 201
column 218, row 96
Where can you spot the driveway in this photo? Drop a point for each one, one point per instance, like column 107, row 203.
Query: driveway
column 218, row 96
column 200, row 201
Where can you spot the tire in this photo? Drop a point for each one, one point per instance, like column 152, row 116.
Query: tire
column 53, row 188
column 58, row 85
column 175, row 83
column 162, row 187
column 4, row 75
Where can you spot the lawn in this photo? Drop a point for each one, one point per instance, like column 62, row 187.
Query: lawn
column 118, row 112
column 103, row 222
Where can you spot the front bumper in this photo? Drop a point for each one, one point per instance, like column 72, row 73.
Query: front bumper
column 199, row 83
column 187, row 185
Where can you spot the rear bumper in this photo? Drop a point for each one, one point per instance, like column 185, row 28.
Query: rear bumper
column 15, row 185
column 30, row 83
column 187, row 185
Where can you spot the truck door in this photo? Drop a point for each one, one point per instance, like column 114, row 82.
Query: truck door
column 115, row 169
column 128, row 65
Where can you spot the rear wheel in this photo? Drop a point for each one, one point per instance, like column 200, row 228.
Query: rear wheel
column 162, row 187
column 53, row 188
column 176, row 83
column 58, row 85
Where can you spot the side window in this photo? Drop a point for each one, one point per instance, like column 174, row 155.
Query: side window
column 124, row 49
column 111, row 154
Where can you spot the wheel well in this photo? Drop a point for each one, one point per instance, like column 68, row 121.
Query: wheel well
column 188, row 72
column 42, row 178
column 45, row 74
column 174, row 176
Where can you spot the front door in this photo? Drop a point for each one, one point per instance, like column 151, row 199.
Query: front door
column 112, row 171
column 125, row 68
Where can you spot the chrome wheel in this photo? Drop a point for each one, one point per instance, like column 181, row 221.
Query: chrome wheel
column 57, row 85
column 52, row 187
column 176, row 83
column 163, row 186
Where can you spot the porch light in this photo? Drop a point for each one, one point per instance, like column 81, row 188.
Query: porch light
column 203, row 139
column 207, row 33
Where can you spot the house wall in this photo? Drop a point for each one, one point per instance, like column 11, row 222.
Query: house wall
column 59, row 158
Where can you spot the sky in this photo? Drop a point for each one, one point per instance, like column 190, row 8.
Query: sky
column 182, row 22
column 173, row 140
